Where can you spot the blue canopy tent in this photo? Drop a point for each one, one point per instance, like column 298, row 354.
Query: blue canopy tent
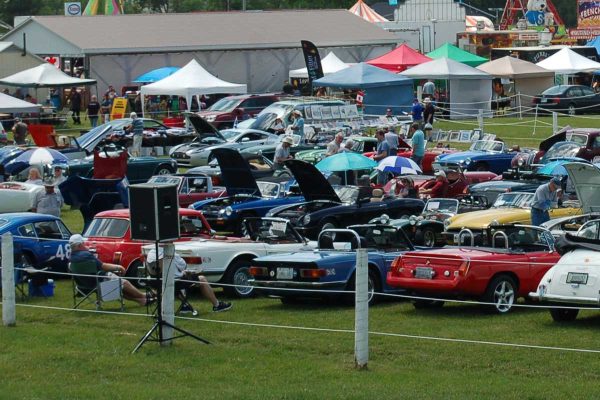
column 156, row 74
column 383, row 89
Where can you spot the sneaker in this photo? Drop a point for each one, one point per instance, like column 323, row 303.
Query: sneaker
column 186, row 309
column 222, row 306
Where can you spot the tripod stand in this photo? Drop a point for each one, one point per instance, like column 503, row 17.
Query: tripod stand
column 155, row 334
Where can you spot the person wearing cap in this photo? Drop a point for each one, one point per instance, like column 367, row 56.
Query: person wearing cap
column 298, row 125
column 418, row 143
column 49, row 201
column 81, row 254
column 58, row 175
column 417, row 111
column 182, row 273
column 334, row 146
column 278, row 127
column 19, row 131
column 546, row 197
column 389, row 113
column 282, row 152
column 428, row 111
column 440, row 187
column 137, row 129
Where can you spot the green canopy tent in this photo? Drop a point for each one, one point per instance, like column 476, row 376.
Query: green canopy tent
column 454, row 53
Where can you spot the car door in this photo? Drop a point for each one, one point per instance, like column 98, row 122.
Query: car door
column 54, row 244
column 588, row 99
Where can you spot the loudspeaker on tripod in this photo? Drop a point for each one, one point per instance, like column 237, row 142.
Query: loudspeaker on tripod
column 154, row 212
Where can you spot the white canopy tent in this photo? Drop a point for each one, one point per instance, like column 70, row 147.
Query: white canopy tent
column 567, row 62
column 191, row 80
column 331, row 64
column 9, row 104
column 470, row 89
column 44, row 75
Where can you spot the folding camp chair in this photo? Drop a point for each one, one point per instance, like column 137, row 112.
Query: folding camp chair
column 88, row 282
column 181, row 287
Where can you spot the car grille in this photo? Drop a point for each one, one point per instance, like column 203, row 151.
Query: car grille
column 181, row 155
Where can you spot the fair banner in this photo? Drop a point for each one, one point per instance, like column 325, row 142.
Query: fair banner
column 119, row 107
column 588, row 14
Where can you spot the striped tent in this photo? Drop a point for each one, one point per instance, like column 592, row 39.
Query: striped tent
column 366, row 12
column 111, row 7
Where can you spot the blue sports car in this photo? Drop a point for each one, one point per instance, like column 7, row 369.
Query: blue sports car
column 332, row 267
column 484, row 155
column 245, row 196
column 43, row 239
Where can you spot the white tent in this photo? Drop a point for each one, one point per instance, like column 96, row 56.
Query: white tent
column 331, row 64
column 470, row 89
column 9, row 104
column 191, row 80
column 44, row 75
column 567, row 62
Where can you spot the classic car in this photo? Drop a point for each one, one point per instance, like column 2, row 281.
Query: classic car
column 426, row 229
column 326, row 208
column 458, row 180
column 109, row 237
column 191, row 187
column 228, row 260
column 362, row 144
column 228, row 110
column 245, row 196
column 332, row 267
column 18, row 196
column 43, row 239
column 484, row 155
column 512, row 207
column 268, row 150
column 155, row 133
column 560, row 226
column 509, row 264
column 575, row 280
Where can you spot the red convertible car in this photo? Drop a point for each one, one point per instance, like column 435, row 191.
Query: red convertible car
column 109, row 236
column 458, row 182
column 512, row 263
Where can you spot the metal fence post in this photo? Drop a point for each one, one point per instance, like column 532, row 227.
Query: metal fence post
column 480, row 119
column 168, row 294
column 9, row 316
column 361, row 320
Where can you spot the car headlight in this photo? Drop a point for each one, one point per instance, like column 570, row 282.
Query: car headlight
column 306, row 219
column 467, row 161
column 494, row 223
column 228, row 211
column 210, row 118
column 412, row 220
column 446, row 224
column 520, row 162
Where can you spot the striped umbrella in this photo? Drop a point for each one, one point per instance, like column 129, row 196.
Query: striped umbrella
column 399, row 165
column 37, row 156
column 365, row 12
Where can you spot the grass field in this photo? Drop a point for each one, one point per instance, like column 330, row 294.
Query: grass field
column 61, row 354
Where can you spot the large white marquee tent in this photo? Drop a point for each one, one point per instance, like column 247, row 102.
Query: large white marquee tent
column 567, row 62
column 330, row 63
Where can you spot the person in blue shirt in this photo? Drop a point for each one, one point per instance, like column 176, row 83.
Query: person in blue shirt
column 383, row 150
column 137, row 128
column 418, row 143
column 417, row 111
column 546, row 197
column 298, row 125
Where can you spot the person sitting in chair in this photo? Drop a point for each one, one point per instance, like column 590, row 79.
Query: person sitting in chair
column 81, row 254
column 182, row 274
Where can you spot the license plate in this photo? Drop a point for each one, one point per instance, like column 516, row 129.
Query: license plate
column 456, row 238
column 285, row 273
column 544, row 100
column 578, row 278
column 424, row 272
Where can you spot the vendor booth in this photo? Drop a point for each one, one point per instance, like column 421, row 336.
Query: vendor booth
column 382, row 89
column 330, row 63
column 399, row 59
column 467, row 89
column 454, row 53
column 568, row 62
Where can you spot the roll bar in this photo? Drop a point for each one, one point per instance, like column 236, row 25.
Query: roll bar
column 466, row 231
column 503, row 234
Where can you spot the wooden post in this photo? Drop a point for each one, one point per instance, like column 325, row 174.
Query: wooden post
column 9, row 317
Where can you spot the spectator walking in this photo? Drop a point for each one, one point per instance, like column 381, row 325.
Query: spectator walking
column 392, row 139
column 137, row 129
column 49, row 201
column 418, row 143
column 19, row 131
column 75, row 99
column 383, row 150
column 429, row 89
column 105, row 108
column 93, row 109
column 428, row 112
column 417, row 111
column 298, row 125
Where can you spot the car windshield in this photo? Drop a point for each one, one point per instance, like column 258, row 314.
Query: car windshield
column 347, row 194
column 578, row 138
column 107, row 227
column 268, row 189
column 230, row 134
column 445, row 206
column 487, row 145
column 589, row 230
column 381, row 237
column 225, row 104
column 268, row 230
column 521, row 238
column 554, row 90
column 561, row 150
column 514, row 200
column 3, row 222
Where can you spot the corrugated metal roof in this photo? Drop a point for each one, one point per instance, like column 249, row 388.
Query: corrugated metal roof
column 214, row 31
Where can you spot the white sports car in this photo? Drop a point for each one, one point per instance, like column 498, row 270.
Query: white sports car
column 17, row 196
column 227, row 260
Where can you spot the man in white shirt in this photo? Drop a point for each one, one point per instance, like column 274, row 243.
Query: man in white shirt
column 334, row 146
column 49, row 201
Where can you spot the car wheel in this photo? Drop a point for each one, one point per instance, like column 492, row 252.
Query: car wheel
column 134, row 271
column 424, row 304
column 502, row 292
column 425, row 237
column 238, row 274
column 481, row 167
column 572, row 110
column 564, row 314
column 373, row 287
column 164, row 170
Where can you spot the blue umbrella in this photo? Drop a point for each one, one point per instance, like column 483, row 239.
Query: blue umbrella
column 156, row 74
column 346, row 161
column 399, row 165
column 556, row 167
column 37, row 156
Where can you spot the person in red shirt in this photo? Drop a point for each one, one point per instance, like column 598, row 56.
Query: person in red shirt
column 439, row 189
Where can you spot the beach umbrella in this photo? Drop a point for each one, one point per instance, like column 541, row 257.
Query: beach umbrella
column 37, row 156
column 346, row 161
column 399, row 165
column 556, row 167
column 156, row 74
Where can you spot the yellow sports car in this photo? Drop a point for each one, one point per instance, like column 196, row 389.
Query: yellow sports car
column 508, row 208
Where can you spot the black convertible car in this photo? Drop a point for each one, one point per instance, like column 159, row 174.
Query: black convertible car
column 326, row 208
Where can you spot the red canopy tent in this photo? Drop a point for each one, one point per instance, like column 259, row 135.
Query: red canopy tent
column 399, row 59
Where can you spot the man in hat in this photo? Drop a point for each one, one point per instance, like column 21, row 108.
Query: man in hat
column 19, row 131
column 282, row 152
column 137, row 129
column 428, row 130
column 298, row 125
column 58, row 175
column 428, row 111
column 49, row 201
column 439, row 189
column 546, row 197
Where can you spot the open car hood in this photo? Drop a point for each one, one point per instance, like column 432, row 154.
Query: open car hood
column 88, row 141
column 235, row 172
column 312, row 183
column 203, row 128
column 559, row 136
column 586, row 180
